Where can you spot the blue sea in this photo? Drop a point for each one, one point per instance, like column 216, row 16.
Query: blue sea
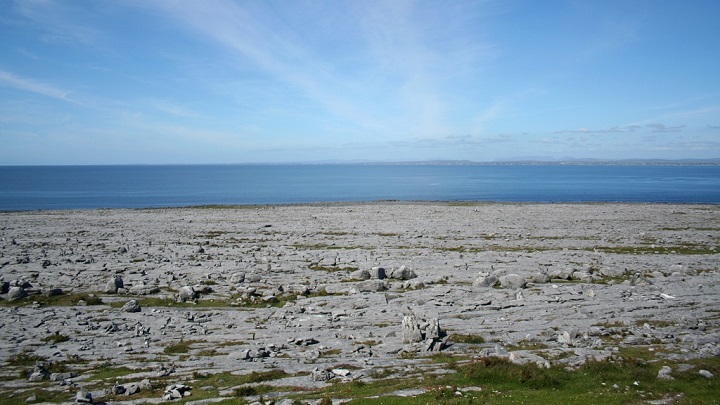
column 85, row 187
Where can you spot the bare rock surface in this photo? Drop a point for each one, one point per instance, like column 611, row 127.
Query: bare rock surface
column 344, row 291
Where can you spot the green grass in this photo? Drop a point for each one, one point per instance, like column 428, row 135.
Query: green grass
column 62, row 300
column 55, row 339
column 181, row 347
column 609, row 382
column 681, row 249
column 466, row 338
column 331, row 269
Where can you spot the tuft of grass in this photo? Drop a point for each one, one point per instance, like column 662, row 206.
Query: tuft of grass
column 25, row 359
column 60, row 300
column 56, row 338
column 181, row 347
column 467, row 338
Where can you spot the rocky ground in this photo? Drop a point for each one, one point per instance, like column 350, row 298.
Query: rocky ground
column 113, row 303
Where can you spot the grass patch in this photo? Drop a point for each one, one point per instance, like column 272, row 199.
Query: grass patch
column 181, row 347
column 113, row 373
column 60, row 300
column 55, row 339
column 624, row 379
column 330, row 269
column 682, row 249
column 171, row 302
column 467, row 338
column 227, row 379
column 25, row 359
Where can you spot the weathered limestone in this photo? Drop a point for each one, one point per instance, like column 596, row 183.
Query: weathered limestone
column 289, row 296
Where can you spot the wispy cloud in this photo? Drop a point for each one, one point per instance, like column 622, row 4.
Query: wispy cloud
column 34, row 86
column 655, row 128
column 60, row 21
column 382, row 67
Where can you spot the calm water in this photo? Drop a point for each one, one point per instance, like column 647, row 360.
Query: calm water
column 69, row 187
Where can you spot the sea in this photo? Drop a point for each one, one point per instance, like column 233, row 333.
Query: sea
column 148, row 186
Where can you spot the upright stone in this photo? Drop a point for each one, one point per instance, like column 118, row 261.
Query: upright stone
column 411, row 330
column 114, row 284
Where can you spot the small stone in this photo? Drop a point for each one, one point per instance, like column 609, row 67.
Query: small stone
column 664, row 373
column 83, row 396
column 320, row 375
column 706, row 374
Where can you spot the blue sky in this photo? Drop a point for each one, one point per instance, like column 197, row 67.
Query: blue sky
column 145, row 81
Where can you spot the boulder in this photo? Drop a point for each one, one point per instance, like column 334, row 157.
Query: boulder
column 131, row 306
column 512, row 281
column 371, row 286
column 16, row 293
column 83, row 396
column 539, row 278
column 237, row 278
column 321, row 375
column 402, row 273
column 360, row 275
column 378, row 273
column 114, row 284
column 143, row 289
column 411, row 330
column 706, row 374
column 39, row 373
column 62, row 376
column 485, row 281
column 186, row 293
column 177, row 391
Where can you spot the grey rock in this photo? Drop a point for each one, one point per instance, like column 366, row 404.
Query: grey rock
column 539, row 278
column 52, row 292
column 143, row 289
column 114, row 284
column 512, row 281
column 177, row 391
column 433, row 331
column 320, row 375
column 371, row 286
column 402, row 273
column 360, row 275
column 252, row 278
column 131, row 306
column 39, row 373
column 706, row 374
column 411, row 330
column 132, row 389
column 237, row 278
column 16, row 293
column 378, row 273
column 485, row 281
column 186, row 293
column 62, row 376
column 83, row 396
column 664, row 373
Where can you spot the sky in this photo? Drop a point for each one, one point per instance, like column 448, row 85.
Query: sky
column 220, row 81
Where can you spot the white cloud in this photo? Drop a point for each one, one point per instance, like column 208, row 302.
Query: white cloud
column 33, row 86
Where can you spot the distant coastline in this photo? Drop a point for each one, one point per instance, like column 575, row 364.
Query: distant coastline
column 439, row 162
